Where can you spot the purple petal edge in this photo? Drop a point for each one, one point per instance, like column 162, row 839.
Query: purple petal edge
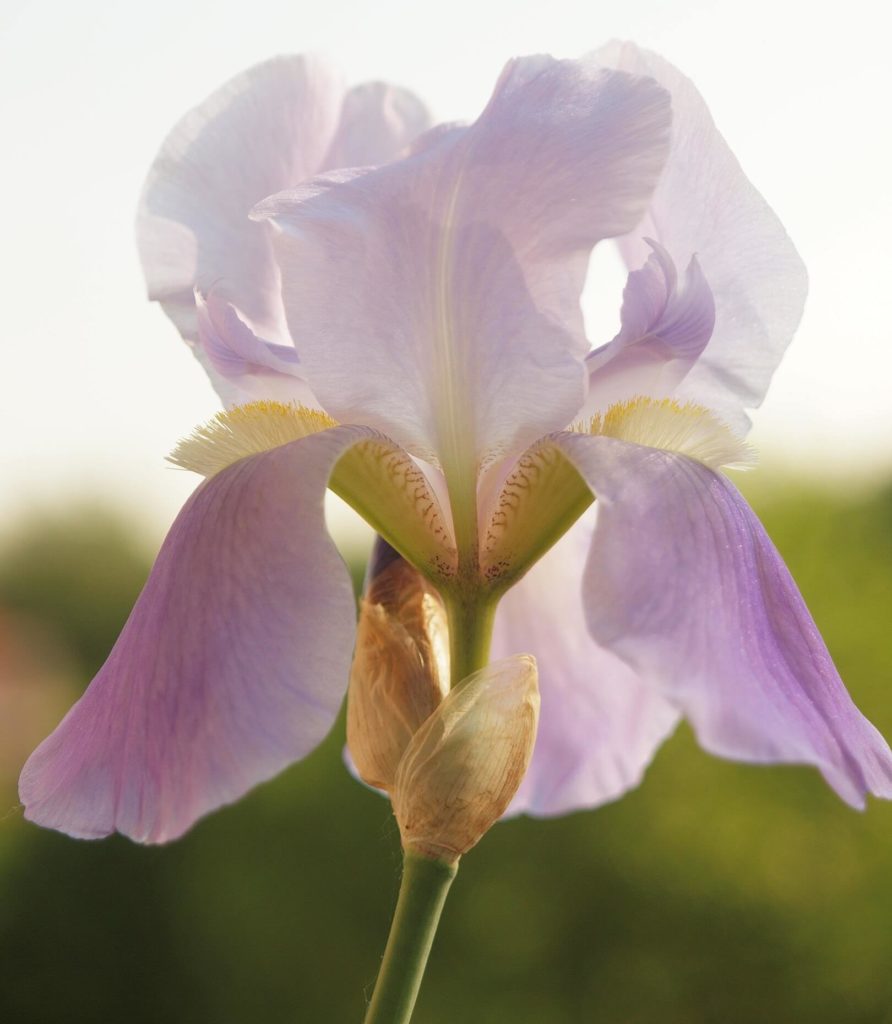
column 684, row 584
column 232, row 665
column 599, row 723
column 665, row 327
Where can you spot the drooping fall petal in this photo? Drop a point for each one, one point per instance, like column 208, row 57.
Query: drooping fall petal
column 232, row 665
column 599, row 724
column 437, row 298
column 705, row 206
column 376, row 477
column 683, row 583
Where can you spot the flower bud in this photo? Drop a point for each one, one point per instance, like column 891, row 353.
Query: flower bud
column 465, row 763
column 400, row 670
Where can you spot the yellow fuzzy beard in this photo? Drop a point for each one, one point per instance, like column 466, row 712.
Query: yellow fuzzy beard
column 685, row 428
column 246, row 430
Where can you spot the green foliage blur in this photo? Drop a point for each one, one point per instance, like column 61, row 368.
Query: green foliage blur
column 714, row 893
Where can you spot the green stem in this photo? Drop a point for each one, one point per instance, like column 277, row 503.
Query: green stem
column 422, row 895
column 426, row 881
column 470, row 634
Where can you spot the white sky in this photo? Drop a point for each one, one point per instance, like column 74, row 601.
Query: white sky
column 98, row 386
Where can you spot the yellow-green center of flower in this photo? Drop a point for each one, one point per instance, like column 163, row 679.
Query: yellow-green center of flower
column 544, row 494
column 540, row 500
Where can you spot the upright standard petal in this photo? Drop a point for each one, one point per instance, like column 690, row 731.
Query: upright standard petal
column 378, row 121
column 599, row 723
column 683, row 584
column 232, row 665
column 269, row 128
column 706, row 206
column 437, row 298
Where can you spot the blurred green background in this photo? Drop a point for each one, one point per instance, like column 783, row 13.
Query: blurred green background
column 714, row 893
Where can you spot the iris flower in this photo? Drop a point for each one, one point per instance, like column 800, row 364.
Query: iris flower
column 392, row 311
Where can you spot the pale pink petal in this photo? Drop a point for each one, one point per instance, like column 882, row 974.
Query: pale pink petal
column 232, row 665
column 437, row 298
column 683, row 584
column 665, row 326
column 269, row 128
column 599, row 724
column 265, row 129
column 706, row 207
column 253, row 368
column 378, row 121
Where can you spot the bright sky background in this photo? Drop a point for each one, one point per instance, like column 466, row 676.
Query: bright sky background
column 98, row 387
